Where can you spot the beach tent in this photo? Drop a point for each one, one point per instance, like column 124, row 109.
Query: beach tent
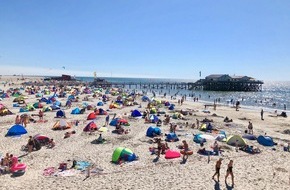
column 153, row 131
column 23, row 110
column 89, row 107
column 71, row 97
column 57, row 103
column 221, row 136
column 198, row 138
column 236, row 140
column 171, row 137
column 249, row 137
column 114, row 122
column 42, row 139
column 167, row 103
column 123, row 154
column 5, row 111
column 153, row 118
column 177, row 115
column 171, row 154
column 91, row 116
column 5, row 95
column 100, row 111
column 62, row 124
column 136, row 113
column 145, row 99
column 100, row 104
column 16, row 130
column 91, row 126
column 60, row 113
column 153, row 110
column 46, row 109
column 76, row 111
column 37, row 105
column 19, row 99
column 265, row 140
column 55, row 107
column 30, row 107
column 43, row 100
column 171, row 107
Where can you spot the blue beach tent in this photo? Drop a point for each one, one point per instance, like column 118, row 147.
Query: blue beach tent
column 114, row 122
column 171, row 107
column 153, row 130
column 171, row 137
column 16, row 130
column 265, row 140
column 136, row 113
column 76, row 111
column 100, row 104
column 60, row 113
column 199, row 139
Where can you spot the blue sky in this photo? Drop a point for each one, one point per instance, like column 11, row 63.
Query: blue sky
column 146, row 38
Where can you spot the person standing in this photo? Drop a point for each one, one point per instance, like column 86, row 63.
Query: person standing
column 230, row 172
column 107, row 120
column 262, row 114
column 217, row 169
column 237, row 105
column 250, row 127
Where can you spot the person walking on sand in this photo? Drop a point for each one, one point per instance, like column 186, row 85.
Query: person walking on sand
column 262, row 114
column 230, row 172
column 217, row 169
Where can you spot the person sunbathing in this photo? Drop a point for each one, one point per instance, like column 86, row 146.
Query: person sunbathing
column 227, row 120
column 68, row 134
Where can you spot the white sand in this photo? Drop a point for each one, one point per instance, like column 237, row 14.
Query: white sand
column 267, row 170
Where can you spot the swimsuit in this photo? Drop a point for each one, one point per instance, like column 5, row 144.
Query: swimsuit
column 230, row 169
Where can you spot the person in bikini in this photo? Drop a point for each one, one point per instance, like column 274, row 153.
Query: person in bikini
column 217, row 169
column 186, row 149
column 230, row 172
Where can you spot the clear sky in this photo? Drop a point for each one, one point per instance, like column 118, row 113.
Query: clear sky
column 146, row 38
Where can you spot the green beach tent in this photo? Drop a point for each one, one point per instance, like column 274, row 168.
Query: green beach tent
column 236, row 140
column 122, row 153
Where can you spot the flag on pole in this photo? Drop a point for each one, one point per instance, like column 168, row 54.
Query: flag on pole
column 199, row 73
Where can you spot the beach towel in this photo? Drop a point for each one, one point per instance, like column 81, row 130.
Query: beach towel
column 49, row 171
column 67, row 173
column 82, row 165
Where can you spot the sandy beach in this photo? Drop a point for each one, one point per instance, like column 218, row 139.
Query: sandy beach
column 269, row 169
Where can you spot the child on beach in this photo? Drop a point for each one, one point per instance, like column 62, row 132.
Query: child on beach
column 250, row 127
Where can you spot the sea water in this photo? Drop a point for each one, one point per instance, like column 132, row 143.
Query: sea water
column 274, row 95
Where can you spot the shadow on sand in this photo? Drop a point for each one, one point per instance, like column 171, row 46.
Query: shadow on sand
column 156, row 159
column 229, row 187
column 216, row 185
